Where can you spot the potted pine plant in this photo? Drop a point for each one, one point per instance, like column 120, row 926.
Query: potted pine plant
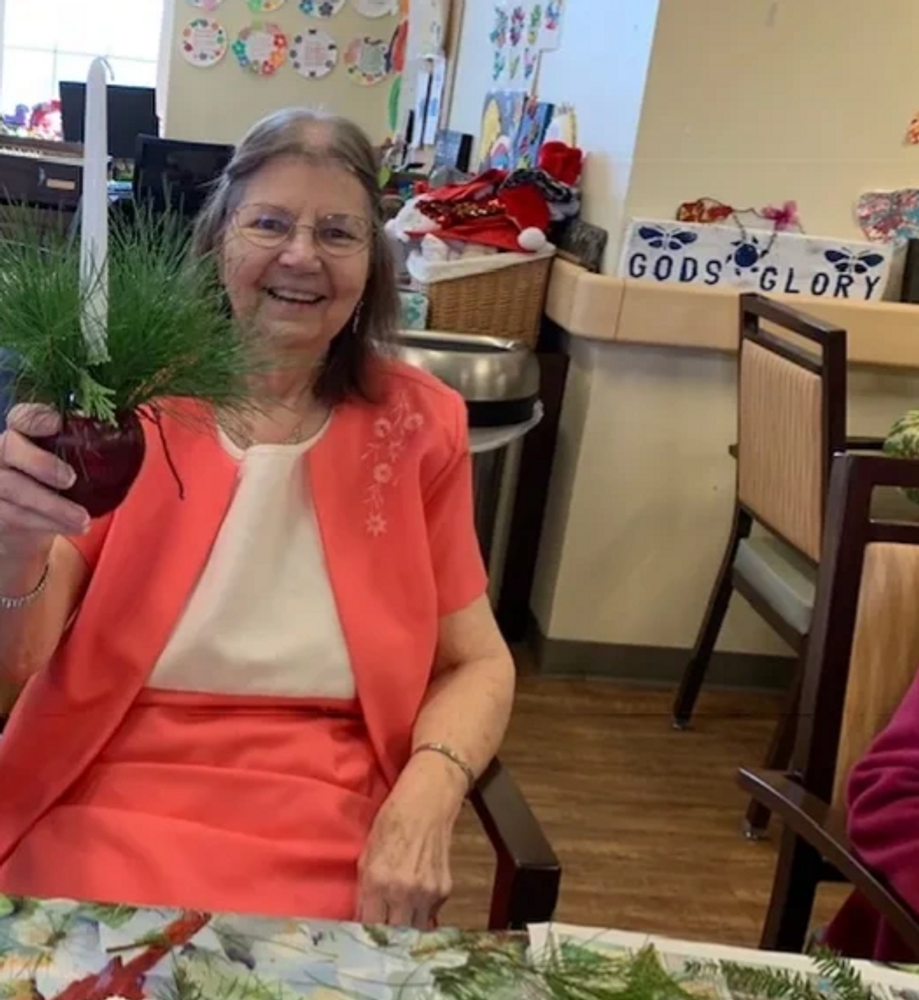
column 107, row 329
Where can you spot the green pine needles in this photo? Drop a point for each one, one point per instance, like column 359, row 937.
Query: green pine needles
column 170, row 331
column 574, row 971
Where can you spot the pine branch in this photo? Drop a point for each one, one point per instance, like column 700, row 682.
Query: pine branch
column 170, row 331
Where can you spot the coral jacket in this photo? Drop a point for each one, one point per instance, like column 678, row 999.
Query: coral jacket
column 391, row 485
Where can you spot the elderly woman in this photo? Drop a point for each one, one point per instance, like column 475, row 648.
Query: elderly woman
column 272, row 696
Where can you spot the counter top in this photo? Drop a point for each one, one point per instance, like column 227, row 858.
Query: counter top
column 606, row 308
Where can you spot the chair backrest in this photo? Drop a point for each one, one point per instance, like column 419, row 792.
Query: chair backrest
column 863, row 648
column 791, row 418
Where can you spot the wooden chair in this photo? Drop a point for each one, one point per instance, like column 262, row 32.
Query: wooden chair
column 791, row 420
column 528, row 873
column 862, row 656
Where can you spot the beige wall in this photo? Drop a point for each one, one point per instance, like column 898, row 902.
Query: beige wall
column 761, row 101
column 219, row 104
column 600, row 68
column 750, row 102
column 642, row 493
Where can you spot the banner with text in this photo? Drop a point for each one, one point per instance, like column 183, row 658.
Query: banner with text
column 754, row 260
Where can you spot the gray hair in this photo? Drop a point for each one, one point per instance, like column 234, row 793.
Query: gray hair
column 322, row 138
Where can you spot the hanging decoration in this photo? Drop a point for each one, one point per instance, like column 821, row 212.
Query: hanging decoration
column 498, row 39
column 314, row 54
column 261, row 48
column 397, row 48
column 912, row 133
column 204, row 42
column 265, row 6
column 889, row 216
column 367, row 61
column 376, row 8
column 550, row 32
column 429, row 21
column 754, row 258
column 321, row 8
column 395, row 97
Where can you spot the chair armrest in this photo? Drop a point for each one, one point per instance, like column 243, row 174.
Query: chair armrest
column 528, row 870
column 852, row 444
column 865, row 443
column 824, row 828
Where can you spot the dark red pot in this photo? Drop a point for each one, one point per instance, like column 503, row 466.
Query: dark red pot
column 106, row 459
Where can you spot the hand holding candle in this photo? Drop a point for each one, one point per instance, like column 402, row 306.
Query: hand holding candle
column 94, row 242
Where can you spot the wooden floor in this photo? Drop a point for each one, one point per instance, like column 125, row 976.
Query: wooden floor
column 646, row 820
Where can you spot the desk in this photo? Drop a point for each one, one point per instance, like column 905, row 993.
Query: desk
column 67, row 951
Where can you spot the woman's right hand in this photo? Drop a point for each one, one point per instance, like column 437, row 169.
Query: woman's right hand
column 32, row 513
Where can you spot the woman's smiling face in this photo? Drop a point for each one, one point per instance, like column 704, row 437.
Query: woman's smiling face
column 296, row 253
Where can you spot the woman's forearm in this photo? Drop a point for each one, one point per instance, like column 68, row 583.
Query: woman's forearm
column 467, row 708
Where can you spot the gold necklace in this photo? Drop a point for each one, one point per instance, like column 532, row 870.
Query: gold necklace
column 243, row 439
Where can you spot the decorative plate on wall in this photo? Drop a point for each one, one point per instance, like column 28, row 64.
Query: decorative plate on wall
column 204, row 42
column 265, row 6
column 367, row 61
column 314, row 54
column 376, row 8
column 321, row 8
column 261, row 48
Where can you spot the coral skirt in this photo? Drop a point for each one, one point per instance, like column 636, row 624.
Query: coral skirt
column 221, row 803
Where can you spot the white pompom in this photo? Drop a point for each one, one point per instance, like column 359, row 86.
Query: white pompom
column 532, row 239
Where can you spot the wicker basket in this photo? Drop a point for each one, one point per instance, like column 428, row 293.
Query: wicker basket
column 504, row 303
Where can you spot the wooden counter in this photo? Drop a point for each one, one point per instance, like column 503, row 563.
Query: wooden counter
column 604, row 308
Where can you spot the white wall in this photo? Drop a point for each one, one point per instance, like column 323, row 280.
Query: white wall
column 600, row 68
column 761, row 101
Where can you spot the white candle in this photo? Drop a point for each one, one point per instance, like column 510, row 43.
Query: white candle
column 94, row 242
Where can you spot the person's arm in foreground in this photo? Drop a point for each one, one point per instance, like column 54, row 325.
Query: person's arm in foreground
column 405, row 868
column 884, row 801
column 32, row 519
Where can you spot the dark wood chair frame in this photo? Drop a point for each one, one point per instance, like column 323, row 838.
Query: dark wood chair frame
column 829, row 362
column 528, row 873
column 814, row 846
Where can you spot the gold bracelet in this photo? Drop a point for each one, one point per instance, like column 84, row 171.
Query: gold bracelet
column 18, row 603
column 451, row 755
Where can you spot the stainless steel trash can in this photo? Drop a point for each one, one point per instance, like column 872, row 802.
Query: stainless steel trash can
column 499, row 379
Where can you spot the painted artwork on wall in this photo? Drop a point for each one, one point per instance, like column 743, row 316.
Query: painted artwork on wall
column 261, row 48
column 519, row 31
column 367, row 61
column 501, row 117
column 429, row 28
column 314, row 54
column 889, row 216
column 204, row 42
column 321, row 8
column 534, row 122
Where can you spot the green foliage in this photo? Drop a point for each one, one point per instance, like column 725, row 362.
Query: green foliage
column 170, row 333
column 574, row 971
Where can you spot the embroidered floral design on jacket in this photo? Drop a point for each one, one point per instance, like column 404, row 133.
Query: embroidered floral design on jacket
column 391, row 434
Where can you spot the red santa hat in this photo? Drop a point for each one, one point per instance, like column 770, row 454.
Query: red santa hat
column 482, row 212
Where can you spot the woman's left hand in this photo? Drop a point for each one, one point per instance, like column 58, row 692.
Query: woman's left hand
column 404, row 872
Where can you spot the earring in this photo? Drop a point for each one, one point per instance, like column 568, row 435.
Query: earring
column 356, row 321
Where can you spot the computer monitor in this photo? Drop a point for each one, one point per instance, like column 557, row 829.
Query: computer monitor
column 171, row 173
column 131, row 112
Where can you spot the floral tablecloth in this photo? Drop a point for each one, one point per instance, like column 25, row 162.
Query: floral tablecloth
column 80, row 951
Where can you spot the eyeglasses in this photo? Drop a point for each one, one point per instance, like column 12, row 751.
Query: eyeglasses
column 270, row 227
